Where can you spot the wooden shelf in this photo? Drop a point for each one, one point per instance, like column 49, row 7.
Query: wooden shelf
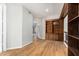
column 75, row 18
column 74, row 51
column 73, row 29
column 74, row 36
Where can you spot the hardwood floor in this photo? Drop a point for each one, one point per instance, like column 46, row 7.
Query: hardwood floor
column 39, row 48
column 51, row 36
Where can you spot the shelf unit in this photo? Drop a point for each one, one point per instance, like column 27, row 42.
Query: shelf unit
column 74, row 19
column 74, row 51
column 73, row 29
column 74, row 36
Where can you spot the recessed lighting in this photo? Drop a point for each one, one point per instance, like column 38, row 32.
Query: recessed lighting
column 46, row 10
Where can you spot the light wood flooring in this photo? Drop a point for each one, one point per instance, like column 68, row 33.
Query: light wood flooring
column 39, row 48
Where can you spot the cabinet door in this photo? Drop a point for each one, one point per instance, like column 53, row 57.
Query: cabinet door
column 49, row 27
column 58, row 29
column 61, row 30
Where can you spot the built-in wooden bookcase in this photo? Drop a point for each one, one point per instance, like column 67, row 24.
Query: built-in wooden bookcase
column 73, row 29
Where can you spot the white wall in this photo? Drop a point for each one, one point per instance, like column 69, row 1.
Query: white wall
column 14, row 26
column 66, row 24
column 39, row 28
column 43, row 28
column 19, row 26
column 0, row 28
column 65, row 28
column 27, row 28
column 3, row 27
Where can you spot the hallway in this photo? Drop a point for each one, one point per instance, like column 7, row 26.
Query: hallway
column 39, row 48
column 24, row 23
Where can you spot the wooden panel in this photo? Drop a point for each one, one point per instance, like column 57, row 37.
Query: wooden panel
column 64, row 10
column 49, row 27
column 72, row 10
column 58, row 29
column 73, row 29
column 55, row 30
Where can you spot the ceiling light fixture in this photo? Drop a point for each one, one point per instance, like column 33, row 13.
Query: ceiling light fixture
column 46, row 10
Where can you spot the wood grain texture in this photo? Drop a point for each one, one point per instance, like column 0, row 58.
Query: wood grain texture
column 39, row 48
column 49, row 27
column 73, row 31
column 64, row 11
column 55, row 29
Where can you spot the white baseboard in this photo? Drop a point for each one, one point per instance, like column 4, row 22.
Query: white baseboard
column 19, row 46
column 27, row 44
column 65, row 44
column 14, row 48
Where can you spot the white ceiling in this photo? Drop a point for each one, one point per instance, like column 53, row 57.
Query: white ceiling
column 39, row 9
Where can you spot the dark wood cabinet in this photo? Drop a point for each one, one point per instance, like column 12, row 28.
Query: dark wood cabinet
column 49, row 27
column 72, row 10
column 73, row 29
column 55, row 29
column 58, row 29
column 64, row 11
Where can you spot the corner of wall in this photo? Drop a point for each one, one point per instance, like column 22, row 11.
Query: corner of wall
column 27, row 43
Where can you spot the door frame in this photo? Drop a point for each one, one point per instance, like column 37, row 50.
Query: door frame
column 0, row 28
column 3, row 27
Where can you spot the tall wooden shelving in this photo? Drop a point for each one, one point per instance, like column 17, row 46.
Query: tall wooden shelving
column 73, row 29
column 55, row 28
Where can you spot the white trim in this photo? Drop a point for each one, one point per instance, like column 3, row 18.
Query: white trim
column 19, row 46
column 4, row 27
column 0, row 27
column 27, row 44
column 14, row 48
column 65, row 44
